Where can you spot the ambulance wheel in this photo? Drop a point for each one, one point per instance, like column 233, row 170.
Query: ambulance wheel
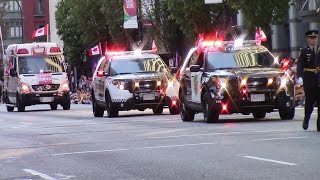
column 158, row 110
column 111, row 110
column 21, row 107
column 66, row 104
column 10, row 108
column 54, row 106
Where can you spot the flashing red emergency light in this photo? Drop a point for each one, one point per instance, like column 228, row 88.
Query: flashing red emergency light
column 224, row 107
column 22, row 51
column 55, row 50
column 100, row 73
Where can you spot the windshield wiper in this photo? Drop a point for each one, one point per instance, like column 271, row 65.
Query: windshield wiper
column 223, row 68
column 253, row 66
column 146, row 72
column 122, row 73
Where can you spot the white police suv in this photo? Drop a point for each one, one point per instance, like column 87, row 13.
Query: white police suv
column 131, row 80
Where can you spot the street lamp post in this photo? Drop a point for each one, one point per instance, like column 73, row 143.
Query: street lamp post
column 21, row 19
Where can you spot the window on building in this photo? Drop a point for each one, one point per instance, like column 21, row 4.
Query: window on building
column 15, row 29
column 40, row 7
column 12, row 6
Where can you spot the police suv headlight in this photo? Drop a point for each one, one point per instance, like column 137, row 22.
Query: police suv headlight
column 283, row 81
column 119, row 84
column 171, row 82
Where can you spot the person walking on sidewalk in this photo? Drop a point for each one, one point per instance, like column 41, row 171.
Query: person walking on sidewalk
column 308, row 73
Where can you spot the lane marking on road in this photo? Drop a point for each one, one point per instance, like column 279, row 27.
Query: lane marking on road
column 130, row 149
column 271, row 139
column 270, row 160
column 36, row 173
column 224, row 133
column 162, row 132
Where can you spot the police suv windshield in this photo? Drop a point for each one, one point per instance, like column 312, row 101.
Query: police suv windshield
column 221, row 60
column 138, row 65
column 39, row 64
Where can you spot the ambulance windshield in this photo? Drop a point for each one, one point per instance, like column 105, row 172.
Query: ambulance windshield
column 39, row 64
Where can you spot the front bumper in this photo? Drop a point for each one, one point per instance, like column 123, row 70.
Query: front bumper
column 44, row 98
column 142, row 101
column 245, row 105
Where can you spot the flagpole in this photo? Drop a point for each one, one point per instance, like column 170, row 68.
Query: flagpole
column 1, row 42
column 48, row 33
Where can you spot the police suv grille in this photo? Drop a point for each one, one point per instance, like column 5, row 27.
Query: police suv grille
column 233, row 89
column 147, row 85
column 46, row 87
column 257, row 82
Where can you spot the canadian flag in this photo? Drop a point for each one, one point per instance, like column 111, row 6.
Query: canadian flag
column 40, row 32
column 95, row 50
column 154, row 47
column 260, row 35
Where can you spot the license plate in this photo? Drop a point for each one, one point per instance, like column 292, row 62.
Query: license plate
column 257, row 97
column 148, row 97
column 46, row 99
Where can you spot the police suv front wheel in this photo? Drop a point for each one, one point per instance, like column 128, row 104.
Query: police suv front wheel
column 96, row 109
column 186, row 113
column 209, row 114
column 286, row 114
column 111, row 110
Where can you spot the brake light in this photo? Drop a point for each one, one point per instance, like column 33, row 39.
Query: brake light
column 100, row 73
column 55, row 50
column 22, row 51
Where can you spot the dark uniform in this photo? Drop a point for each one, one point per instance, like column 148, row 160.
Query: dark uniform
column 309, row 70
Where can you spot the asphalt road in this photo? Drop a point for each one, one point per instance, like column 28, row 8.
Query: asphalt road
column 45, row 144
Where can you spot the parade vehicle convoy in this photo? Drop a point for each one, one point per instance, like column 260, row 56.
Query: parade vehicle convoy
column 225, row 77
column 130, row 80
column 35, row 73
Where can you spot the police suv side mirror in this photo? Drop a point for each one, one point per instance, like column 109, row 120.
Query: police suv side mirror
column 195, row 68
column 173, row 70
column 13, row 73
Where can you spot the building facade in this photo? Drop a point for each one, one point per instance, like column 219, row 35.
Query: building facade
column 54, row 37
column 36, row 15
column 288, row 38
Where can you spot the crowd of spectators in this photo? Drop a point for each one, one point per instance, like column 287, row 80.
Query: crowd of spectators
column 82, row 94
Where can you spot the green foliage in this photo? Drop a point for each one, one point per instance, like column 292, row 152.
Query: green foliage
column 194, row 16
column 83, row 23
column 261, row 13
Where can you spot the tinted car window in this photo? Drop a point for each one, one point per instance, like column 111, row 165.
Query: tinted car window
column 138, row 65
column 239, row 59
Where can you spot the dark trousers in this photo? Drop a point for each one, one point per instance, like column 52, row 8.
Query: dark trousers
column 312, row 97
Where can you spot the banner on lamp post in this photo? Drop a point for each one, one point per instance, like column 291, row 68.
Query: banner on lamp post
column 212, row 1
column 130, row 14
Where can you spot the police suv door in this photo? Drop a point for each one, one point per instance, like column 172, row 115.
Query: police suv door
column 99, row 81
column 196, row 79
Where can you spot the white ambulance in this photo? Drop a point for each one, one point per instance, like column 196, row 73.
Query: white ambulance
column 35, row 73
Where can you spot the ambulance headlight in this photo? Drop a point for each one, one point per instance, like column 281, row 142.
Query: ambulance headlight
column 65, row 86
column 24, row 88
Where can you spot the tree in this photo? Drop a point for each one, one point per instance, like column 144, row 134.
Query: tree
column 260, row 13
column 83, row 23
column 195, row 17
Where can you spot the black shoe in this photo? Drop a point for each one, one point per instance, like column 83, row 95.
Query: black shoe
column 305, row 125
column 318, row 125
